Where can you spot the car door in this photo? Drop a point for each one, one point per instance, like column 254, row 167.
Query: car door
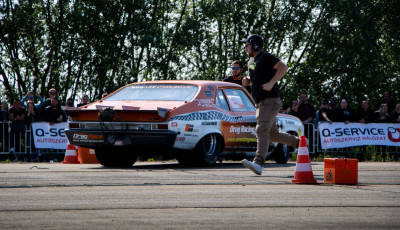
column 242, row 130
column 228, row 122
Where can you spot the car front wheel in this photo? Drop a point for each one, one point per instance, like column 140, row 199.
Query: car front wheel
column 206, row 151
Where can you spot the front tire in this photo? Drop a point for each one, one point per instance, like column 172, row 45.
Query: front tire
column 205, row 153
column 115, row 156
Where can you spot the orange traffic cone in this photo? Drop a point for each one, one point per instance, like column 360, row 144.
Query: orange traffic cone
column 303, row 174
column 71, row 157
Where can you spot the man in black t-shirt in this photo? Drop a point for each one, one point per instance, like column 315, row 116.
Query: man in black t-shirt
column 365, row 114
column 325, row 113
column 53, row 113
column 236, row 77
column 344, row 113
column 265, row 70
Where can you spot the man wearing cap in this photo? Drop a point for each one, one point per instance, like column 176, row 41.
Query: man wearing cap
column 265, row 70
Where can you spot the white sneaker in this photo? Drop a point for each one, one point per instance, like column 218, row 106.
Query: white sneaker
column 256, row 168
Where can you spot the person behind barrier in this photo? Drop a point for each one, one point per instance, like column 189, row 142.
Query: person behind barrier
column 396, row 114
column 53, row 113
column 265, row 70
column 386, row 100
column 285, row 109
column 293, row 105
column 236, row 77
column 32, row 115
column 365, row 114
column 383, row 115
column 70, row 103
column 345, row 113
column 84, row 101
column 325, row 113
column 17, row 117
column 333, row 106
column 30, row 96
column 3, row 125
column 4, row 111
column 304, row 110
column 52, row 94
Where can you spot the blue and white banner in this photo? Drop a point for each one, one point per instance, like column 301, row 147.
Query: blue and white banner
column 340, row 135
column 48, row 136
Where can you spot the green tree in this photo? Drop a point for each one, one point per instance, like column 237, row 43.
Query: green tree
column 333, row 48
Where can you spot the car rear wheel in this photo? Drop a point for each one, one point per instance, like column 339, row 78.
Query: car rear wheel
column 116, row 156
column 206, row 152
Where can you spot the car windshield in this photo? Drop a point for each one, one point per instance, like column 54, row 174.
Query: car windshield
column 155, row 92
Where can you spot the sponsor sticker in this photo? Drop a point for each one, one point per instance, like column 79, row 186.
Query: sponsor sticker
column 189, row 128
column 209, row 123
column 242, row 129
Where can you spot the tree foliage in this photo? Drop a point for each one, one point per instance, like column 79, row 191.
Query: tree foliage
column 334, row 48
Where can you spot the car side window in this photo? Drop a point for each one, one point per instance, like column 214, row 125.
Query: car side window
column 221, row 101
column 239, row 101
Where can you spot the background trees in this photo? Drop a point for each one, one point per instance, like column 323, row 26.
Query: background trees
column 335, row 48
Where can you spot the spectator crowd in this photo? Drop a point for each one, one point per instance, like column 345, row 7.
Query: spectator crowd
column 386, row 111
column 23, row 112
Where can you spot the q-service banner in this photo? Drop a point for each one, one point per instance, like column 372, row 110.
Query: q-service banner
column 340, row 135
column 48, row 136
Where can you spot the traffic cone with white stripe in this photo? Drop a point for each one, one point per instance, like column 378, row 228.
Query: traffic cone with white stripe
column 71, row 157
column 303, row 174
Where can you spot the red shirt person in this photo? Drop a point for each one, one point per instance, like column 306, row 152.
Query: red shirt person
column 17, row 116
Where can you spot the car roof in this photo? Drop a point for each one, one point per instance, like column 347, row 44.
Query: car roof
column 193, row 82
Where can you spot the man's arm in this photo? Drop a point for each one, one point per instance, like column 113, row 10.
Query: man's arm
column 281, row 69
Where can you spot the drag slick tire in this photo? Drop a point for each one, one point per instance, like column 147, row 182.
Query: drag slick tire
column 115, row 156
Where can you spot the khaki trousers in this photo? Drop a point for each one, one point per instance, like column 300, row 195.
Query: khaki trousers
column 267, row 130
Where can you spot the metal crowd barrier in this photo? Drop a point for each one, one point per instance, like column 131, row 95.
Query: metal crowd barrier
column 25, row 150
column 311, row 132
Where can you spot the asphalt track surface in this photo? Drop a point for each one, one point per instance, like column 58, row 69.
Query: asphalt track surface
column 162, row 195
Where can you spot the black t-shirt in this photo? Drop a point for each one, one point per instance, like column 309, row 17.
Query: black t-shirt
column 231, row 79
column 261, row 71
column 329, row 114
column 239, row 82
column 346, row 114
column 368, row 115
column 51, row 114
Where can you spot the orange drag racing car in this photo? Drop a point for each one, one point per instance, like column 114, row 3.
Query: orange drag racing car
column 198, row 122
